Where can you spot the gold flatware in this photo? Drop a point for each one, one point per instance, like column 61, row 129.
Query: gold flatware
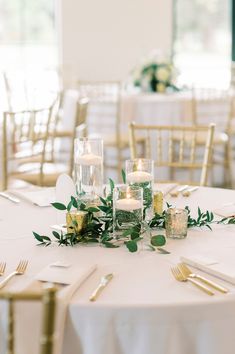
column 2, row 268
column 178, row 191
column 186, row 271
column 180, row 277
column 188, row 191
column 20, row 269
column 103, row 283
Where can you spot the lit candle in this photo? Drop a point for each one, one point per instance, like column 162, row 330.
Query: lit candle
column 128, row 204
column 89, row 160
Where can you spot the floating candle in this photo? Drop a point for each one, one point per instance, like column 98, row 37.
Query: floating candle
column 89, row 160
column 128, row 204
column 139, row 177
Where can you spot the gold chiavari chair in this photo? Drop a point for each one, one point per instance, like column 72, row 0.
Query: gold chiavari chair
column 160, row 146
column 28, row 142
column 48, row 300
column 78, row 124
column 215, row 106
column 104, row 120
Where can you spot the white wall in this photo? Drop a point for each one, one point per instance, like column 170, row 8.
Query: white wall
column 105, row 39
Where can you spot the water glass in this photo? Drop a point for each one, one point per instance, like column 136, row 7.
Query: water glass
column 88, row 168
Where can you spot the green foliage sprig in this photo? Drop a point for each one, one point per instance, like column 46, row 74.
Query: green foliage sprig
column 99, row 227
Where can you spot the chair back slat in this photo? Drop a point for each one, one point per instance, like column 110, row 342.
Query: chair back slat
column 26, row 136
column 177, row 147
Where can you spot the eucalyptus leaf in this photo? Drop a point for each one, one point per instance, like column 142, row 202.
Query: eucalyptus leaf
column 74, row 202
column 112, row 185
column 93, row 210
column 132, row 246
column 56, row 234
column 158, row 240
column 59, row 206
column 123, row 176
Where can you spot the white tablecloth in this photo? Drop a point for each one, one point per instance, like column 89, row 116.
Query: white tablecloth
column 151, row 108
column 143, row 309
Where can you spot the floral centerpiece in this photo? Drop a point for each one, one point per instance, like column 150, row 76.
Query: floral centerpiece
column 155, row 76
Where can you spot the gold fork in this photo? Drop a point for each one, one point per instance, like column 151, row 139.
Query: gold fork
column 20, row 269
column 186, row 271
column 180, row 277
column 2, row 268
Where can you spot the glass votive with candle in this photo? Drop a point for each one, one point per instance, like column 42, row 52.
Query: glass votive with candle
column 140, row 173
column 88, row 168
column 127, row 208
column 76, row 221
column 176, row 223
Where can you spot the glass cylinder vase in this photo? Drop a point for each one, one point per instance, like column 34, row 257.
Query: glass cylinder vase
column 140, row 173
column 127, row 208
column 88, row 168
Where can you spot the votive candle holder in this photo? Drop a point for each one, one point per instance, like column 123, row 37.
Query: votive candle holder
column 127, row 208
column 140, row 173
column 176, row 223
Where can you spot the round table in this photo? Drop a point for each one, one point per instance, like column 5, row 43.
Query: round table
column 143, row 309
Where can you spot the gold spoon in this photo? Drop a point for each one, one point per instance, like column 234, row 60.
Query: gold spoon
column 189, row 191
column 178, row 191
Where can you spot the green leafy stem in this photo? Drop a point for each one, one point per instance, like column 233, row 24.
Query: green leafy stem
column 99, row 226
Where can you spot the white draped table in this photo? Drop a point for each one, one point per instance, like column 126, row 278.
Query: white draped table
column 146, row 108
column 143, row 310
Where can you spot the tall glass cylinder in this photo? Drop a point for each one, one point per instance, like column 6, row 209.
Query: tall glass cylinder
column 127, row 208
column 88, row 168
column 140, row 173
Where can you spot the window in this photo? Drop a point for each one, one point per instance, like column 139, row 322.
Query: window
column 28, row 51
column 27, row 34
column 202, row 42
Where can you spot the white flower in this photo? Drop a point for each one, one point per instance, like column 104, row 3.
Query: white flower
column 162, row 74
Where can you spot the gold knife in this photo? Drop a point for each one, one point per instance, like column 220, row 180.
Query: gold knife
column 103, row 282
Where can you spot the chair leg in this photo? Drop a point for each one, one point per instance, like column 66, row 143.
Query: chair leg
column 228, row 175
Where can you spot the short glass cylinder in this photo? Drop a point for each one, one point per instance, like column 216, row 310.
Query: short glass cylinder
column 88, row 168
column 127, row 208
column 76, row 221
column 140, row 173
column 176, row 223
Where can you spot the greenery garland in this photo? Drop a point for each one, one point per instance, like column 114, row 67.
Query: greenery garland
column 99, row 228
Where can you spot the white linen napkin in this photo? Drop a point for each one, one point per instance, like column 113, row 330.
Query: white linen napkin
column 224, row 271
column 226, row 210
column 64, row 273
column 42, row 197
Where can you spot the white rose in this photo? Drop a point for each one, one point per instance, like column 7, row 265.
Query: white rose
column 162, row 74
